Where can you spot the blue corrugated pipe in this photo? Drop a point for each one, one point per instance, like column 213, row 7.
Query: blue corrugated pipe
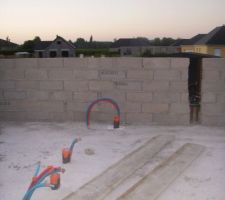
column 39, row 183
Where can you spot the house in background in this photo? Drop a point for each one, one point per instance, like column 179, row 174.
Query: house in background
column 138, row 46
column 188, row 45
column 6, row 45
column 177, row 44
column 162, row 50
column 56, row 48
column 130, row 46
column 212, row 43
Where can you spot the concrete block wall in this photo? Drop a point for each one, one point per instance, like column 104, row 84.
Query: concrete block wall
column 213, row 92
column 148, row 90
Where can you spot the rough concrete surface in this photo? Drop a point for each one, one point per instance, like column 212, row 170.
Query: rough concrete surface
column 22, row 145
column 111, row 178
column 152, row 185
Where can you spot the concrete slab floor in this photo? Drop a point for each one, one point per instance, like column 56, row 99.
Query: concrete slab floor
column 22, row 145
column 117, row 174
column 161, row 177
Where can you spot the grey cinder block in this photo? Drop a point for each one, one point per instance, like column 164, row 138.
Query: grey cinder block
column 59, row 74
column 100, row 85
column 76, row 86
column 156, row 86
column 7, row 84
column 142, row 97
column 14, row 74
column 168, row 75
column 156, row 63
column 27, row 85
column 51, row 85
column 36, row 74
column 155, row 108
column 140, row 75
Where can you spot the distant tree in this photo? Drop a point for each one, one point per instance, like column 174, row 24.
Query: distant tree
column 28, row 45
column 37, row 39
column 80, row 40
column 166, row 41
column 80, row 43
column 147, row 53
column 91, row 39
column 99, row 45
column 157, row 42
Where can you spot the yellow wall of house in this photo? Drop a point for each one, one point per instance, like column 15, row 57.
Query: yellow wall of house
column 195, row 48
column 187, row 48
column 204, row 49
column 201, row 49
column 211, row 49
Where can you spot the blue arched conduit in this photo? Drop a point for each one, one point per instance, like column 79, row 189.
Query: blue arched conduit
column 108, row 100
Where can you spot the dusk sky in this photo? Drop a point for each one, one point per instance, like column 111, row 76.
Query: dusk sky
column 108, row 19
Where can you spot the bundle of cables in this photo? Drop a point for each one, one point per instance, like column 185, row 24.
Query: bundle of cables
column 38, row 180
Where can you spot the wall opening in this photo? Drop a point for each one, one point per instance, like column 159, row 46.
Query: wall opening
column 194, row 89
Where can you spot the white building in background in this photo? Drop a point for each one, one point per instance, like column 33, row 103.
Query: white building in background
column 56, row 48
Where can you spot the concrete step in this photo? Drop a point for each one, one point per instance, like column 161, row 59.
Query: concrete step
column 154, row 183
column 111, row 178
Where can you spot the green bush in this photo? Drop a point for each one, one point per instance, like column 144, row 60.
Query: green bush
column 8, row 52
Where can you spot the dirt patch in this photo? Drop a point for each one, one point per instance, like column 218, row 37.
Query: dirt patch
column 89, row 152
column 14, row 166
column 2, row 157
